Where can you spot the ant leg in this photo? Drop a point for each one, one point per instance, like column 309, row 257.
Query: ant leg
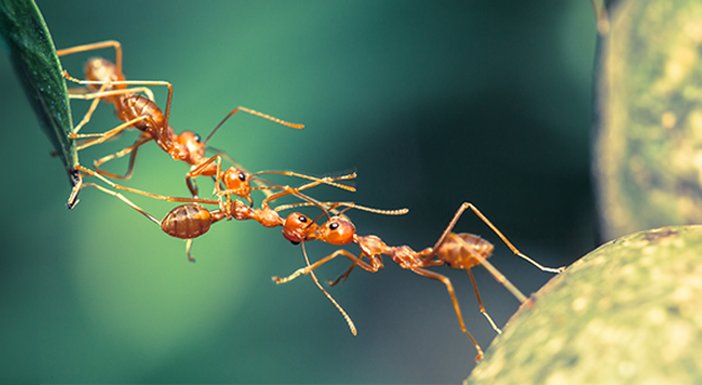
column 468, row 205
column 601, row 16
column 197, row 171
column 480, row 302
column 132, row 158
column 95, row 46
column 499, row 277
column 106, row 135
column 443, row 279
column 144, row 193
column 101, row 94
column 342, row 277
column 341, row 310
column 254, row 113
column 91, row 110
column 125, row 200
column 373, row 267
column 188, row 249
column 97, row 97
column 157, row 83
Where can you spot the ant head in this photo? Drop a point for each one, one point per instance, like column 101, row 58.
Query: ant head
column 237, row 181
column 298, row 227
column 191, row 146
column 338, row 230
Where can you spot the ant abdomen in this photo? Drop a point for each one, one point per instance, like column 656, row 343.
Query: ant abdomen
column 187, row 221
column 133, row 106
column 459, row 250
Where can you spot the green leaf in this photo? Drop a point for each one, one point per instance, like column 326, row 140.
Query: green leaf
column 626, row 313
column 37, row 65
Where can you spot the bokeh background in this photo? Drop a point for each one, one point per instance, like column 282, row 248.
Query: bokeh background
column 433, row 103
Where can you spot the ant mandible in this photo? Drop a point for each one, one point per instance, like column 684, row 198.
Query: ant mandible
column 142, row 113
column 457, row 250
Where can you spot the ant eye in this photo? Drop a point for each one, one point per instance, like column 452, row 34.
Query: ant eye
column 198, row 138
column 302, row 218
column 242, row 176
column 333, row 225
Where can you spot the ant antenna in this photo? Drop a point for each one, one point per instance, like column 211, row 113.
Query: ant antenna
column 348, row 205
column 322, row 214
column 328, row 180
column 254, row 113
column 341, row 310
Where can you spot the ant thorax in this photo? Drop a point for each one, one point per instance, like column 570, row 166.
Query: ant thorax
column 371, row 245
column 194, row 150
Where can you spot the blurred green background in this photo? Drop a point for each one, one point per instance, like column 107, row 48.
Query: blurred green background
column 432, row 103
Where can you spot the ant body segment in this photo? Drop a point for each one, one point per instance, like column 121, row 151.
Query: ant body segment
column 457, row 250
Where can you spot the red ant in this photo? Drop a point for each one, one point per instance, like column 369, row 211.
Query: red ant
column 457, row 250
column 142, row 113
column 191, row 220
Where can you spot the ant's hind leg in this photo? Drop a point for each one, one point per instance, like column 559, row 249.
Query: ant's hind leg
column 499, row 277
column 486, row 221
column 480, row 303
column 452, row 293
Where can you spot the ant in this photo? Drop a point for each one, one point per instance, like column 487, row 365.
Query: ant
column 191, row 220
column 457, row 250
column 143, row 114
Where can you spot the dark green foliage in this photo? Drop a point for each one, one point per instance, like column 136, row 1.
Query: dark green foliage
column 35, row 61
